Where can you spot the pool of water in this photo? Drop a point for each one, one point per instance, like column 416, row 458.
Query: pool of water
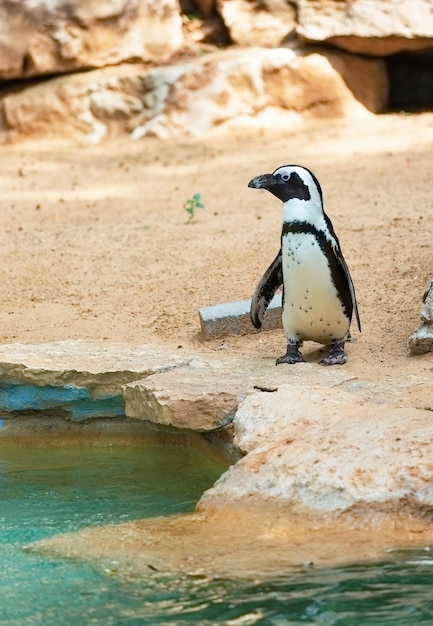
column 48, row 491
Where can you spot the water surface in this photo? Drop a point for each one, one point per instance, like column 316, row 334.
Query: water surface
column 48, row 491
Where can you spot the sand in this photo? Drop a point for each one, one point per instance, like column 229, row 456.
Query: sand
column 96, row 242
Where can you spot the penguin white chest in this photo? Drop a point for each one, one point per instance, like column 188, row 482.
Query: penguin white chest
column 312, row 309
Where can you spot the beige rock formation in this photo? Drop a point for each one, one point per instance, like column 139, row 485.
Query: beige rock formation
column 205, row 395
column 239, row 88
column 362, row 26
column 196, row 397
column 258, row 23
column 83, row 364
column 37, row 37
column 317, row 452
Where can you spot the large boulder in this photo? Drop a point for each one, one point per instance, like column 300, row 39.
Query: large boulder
column 39, row 37
column 365, row 27
column 316, row 452
column 253, row 87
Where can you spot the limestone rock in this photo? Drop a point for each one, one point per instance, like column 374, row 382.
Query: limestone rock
column 258, row 86
column 321, row 453
column 365, row 27
column 89, row 105
column 38, row 37
column 254, row 87
column 256, row 23
column 85, row 364
column 233, row 318
column 198, row 397
column 421, row 340
column 205, row 395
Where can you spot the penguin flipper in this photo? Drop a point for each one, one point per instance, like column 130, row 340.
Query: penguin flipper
column 343, row 264
column 351, row 287
column 271, row 280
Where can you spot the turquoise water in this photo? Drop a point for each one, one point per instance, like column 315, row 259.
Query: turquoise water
column 44, row 492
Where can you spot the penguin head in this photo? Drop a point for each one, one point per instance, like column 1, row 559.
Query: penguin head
column 290, row 182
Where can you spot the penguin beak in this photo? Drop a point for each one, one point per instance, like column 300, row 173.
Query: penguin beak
column 264, row 181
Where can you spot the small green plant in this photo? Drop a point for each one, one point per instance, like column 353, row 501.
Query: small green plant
column 192, row 204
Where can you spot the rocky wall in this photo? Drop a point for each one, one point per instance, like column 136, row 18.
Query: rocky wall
column 164, row 72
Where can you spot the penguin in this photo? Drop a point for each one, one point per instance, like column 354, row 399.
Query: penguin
column 318, row 293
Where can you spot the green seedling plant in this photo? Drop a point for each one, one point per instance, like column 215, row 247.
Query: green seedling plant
column 192, row 204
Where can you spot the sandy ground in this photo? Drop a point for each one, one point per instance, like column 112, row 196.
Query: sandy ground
column 96, row 243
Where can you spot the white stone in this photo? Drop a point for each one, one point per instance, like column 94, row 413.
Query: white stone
column 233, row 318
column 366, row 27
column 317, row 450
column 105, row 368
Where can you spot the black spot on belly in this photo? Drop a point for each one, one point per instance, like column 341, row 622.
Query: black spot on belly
column 336, row 268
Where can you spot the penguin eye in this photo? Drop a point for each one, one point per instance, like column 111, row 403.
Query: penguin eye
column 285, row 177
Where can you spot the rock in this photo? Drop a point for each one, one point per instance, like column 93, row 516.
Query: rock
column 198, row 397
column 254, row 87
column 318, row 453
column 87, row 380
column 421, row 340
column 233, row 318
column 365, row 27
column 257, row 23
column 83, row 363
column 90, row 105
column 259, row 87
column 205, row 396
column 39, row 38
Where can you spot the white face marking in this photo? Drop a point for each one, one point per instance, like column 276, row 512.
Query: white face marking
column 310, row 211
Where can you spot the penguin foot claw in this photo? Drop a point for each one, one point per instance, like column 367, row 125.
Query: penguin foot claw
column 334, row 360
column 291, row 359
column 336, row 355
column 292, row 355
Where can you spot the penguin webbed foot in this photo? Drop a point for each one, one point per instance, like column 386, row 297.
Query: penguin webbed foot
column 292, row 355
column 336, row 354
